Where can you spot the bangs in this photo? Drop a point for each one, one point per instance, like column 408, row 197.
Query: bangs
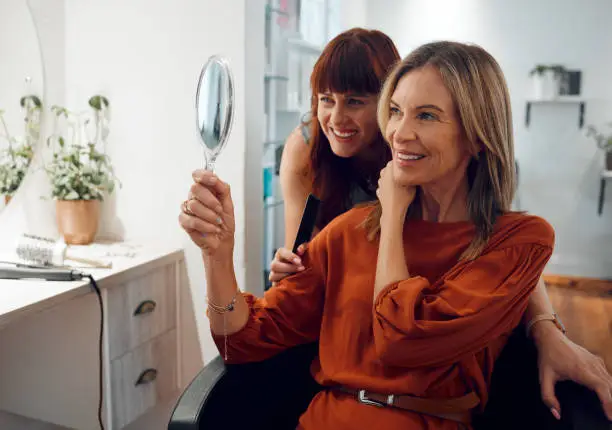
column 348, row 67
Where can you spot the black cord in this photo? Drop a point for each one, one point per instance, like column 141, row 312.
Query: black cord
column 100, row 350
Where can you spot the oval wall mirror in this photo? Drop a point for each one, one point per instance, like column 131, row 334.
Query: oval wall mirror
column 214, row 107
column 21, row 95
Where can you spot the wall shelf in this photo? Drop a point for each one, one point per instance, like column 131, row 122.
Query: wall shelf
column 270, row 10
column 270, row 205
column 274, row 143
column 275, row 78
column 295, row 34
column 606, row 175
column 581, row 102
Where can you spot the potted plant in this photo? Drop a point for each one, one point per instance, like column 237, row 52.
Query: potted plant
column 546, row 81
column 81, row 175
column 15, row 159
column 604, row 142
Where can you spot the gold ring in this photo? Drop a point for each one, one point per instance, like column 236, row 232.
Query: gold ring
column 186, row 209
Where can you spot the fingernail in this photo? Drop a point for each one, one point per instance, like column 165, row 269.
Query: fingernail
column 555, row 413
column 301, row 268
column 212, row 180
column 218, row 231
column 296, row 260
column 219, row 210
column 219, row 220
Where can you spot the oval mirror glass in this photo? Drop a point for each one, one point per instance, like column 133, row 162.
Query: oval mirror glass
column 21, row 89
column 214, row 107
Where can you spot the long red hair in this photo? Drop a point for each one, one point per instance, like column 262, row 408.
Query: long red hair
column 355, row 61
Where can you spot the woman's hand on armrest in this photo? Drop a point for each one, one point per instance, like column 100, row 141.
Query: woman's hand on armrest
column 561, row 359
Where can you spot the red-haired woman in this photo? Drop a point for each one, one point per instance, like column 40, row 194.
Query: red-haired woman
column 338, row 154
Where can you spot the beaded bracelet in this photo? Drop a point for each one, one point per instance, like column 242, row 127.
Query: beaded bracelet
column 223, row 309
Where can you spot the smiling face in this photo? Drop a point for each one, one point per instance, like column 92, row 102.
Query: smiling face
column 425, row 132
column 348, row 121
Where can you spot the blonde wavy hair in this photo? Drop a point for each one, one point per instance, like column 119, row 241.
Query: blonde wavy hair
column 480, row 93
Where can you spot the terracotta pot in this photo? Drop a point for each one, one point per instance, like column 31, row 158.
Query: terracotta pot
column 77, row 220
column 7, row 199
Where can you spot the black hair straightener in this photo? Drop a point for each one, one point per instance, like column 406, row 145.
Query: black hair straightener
column 24, row 271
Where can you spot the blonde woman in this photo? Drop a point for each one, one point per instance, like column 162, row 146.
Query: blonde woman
column 339, row 170
column 410, row 299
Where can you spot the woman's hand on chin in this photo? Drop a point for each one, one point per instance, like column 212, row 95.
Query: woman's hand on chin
column 395, row 199
column 208, row 215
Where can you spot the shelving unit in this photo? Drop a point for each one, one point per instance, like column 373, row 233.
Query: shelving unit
column 296, row 31
column 581, row 102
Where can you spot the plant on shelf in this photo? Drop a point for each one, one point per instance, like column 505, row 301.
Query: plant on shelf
column 539, row 70
column 81, row 174
column 603, row 142
column 558, row 70
column 547, row 80
column 15, row 159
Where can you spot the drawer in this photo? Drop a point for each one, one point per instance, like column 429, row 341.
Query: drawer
column 140, row 310
column 142, row 378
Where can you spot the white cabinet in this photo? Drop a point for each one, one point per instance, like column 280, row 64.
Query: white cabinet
column 141, row 309
column 143, row 377
column 49, row 362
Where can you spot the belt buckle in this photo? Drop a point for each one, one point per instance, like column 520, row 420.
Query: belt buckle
column 363, row 398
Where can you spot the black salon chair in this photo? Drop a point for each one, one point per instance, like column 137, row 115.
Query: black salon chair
column 271, row 395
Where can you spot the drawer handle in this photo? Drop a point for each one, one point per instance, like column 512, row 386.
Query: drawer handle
column 145, row 307
column 147, row 376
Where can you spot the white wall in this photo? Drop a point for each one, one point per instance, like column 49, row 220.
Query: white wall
column 353, row 14
column 559, row 166
column 145, row 56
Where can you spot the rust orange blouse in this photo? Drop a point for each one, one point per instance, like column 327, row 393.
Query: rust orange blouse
column 435, row 334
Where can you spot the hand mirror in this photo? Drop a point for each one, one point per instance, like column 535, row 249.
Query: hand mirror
column 214, row 107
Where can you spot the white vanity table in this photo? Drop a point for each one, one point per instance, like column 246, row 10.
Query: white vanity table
column 49, row 334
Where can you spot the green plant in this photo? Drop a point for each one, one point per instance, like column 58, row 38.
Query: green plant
column 79, row 170
column 540, row 69
column 558, row 70
column 603, row 141
column 16, row 158
column 14, row 163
